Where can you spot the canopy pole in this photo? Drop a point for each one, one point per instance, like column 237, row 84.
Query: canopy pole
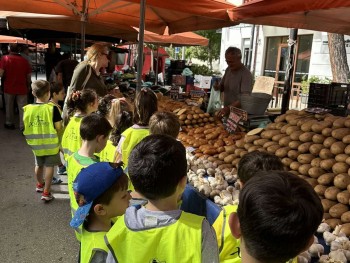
column 36, row 61
column 83, row 19
column 157, row 64
column 251, row 49
column 288, row 82
column 141, row 42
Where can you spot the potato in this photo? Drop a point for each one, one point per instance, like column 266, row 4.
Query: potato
column 339, row 123
column 284, row 141
column 295, row 135
column 292, row 129
column 306, row 136
column 295, row 166
column 293, row 154
column 235, row 162
column 327, row 164
column 292, row 119
column 343, row 197
column 339, row 168
column 304, row 147
column 301, row 176
column 269, row 134
column 318, row 138
column 248, row 145
column 286, row 161
column 316, row 148
column 342, row 181
column 223, row 155
column 320, row 189
column 345, row 218
column 319, row 126
column 311, row 181
column 341, row 157
column 331, row 193
column 282, row 152
column 338, row 148
column 327, row 132
column 326, row 154
column 326, row 216
column 294, row 144
column 345, row 228
column 337, row 210
column 251, row 138
column 242, row 153
column 273, row 148
column 333, row 222
column 306, row 126
column 316, row 172
column 269, row 143
column 305, row 158
column 240, row 143
column 347, row 160
column 327, row 204
column 347, row 122
column 329, row 141
column 260, row 142
column 253, row 148
column 277, row 137
column 340, row 133
column 271, row 126
column 316, row 162
column 238, row 151
column 281, row 118
column 304, row 169
column 279, row 125
column 346, row 138
column 285, row 127
column 331, row 118
column 326, row 179
column 347, row 150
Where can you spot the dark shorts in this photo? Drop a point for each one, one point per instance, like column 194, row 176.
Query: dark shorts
column 47, row 160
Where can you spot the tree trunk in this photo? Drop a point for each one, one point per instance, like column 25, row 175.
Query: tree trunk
column 338, row 58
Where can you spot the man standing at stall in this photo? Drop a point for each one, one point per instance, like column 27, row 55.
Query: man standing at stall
column 236, row 81
column 16, row 72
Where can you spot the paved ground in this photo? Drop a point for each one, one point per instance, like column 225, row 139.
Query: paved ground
column 31, row 231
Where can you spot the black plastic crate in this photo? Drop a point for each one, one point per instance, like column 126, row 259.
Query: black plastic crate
column 338, row 94
column 318, row 95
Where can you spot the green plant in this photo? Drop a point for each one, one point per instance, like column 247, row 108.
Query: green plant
column 305, row 83
column 202, row 70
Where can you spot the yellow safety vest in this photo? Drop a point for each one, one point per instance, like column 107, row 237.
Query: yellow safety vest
column 90, row 243
column 229, row 246
column 74, row 167
column 108, row 153
column 178, row 242
column 39, row 129
column 132, row 137
column 71, row 139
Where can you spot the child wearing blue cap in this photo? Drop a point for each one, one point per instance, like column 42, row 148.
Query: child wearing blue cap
column 101, row 192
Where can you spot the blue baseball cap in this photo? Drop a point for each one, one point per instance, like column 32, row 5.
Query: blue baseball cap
column 90, row 183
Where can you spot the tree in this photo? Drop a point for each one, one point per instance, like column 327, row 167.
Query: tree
column 338, row 58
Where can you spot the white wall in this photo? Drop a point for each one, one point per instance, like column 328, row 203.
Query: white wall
column 319, row 61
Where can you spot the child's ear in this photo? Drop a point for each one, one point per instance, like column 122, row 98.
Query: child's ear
column 235, row 226
column 99, row 210
column 100, row 138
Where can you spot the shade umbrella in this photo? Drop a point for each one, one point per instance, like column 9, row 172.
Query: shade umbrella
column 327, row 16
column 19, row 40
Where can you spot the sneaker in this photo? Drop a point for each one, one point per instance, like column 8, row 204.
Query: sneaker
column 47, row 197
column 56, row 180
column 61, row 170
column 39, row 188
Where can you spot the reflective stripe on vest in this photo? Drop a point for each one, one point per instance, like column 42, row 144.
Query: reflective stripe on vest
column 168, row 244
column 91, row 242
column 71, row 139
column 229, row 247
column 39, row 131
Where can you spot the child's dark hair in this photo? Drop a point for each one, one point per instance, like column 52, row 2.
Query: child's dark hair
column 93, row 125
column 164, row 123
column 55, row 88
column 40, row 87
column 156, row 166
column 104, row 105
column 123, row 121
column 145, row 105
column 79, row 100
column 278, row 214
column 257, row 161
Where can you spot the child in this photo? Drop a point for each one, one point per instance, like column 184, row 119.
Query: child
column 277, row 216
column 81, row 103
column 145, row 105
column 94, row 130
column 166, row 123
column 42, row 123
column 248, row 166
column 101, row 191
column 118, row 114
column 160, row 232
column 58, row 94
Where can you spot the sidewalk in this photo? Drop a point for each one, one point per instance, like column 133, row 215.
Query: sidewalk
column 24, row 217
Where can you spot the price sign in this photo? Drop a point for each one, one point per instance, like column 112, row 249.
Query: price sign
column 197, row 93
column 174, row 92
column 235, row 116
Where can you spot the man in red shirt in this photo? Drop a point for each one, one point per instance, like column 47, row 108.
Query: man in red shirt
column 16, row 72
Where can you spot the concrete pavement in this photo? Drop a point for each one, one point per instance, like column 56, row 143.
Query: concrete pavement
column 31, row 230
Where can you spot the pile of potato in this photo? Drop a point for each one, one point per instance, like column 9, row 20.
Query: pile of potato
column 314, row 147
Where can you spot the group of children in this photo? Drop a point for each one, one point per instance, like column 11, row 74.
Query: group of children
column 118, row 149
